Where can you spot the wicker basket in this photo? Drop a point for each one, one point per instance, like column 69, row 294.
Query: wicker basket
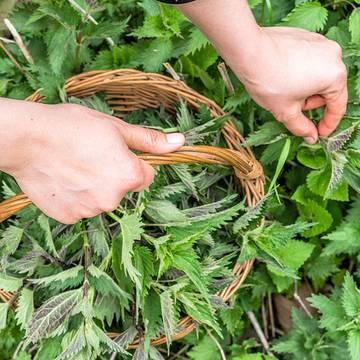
column 129, row 90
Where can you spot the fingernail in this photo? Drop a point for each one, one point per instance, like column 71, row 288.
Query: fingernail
column 310, row 140
column 175, row 138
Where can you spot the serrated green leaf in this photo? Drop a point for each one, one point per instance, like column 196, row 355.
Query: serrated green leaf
column 311, row 16
column 131, row 230
column 67, row 278
column 354, row 344
column 45, row 226
column 354, row 26
column 4, row 308
column 25, row 308
column 10, row 283
column 105, row 284
column 316, row 214
column 350, row 297
column 168, row 316
column 51, row 315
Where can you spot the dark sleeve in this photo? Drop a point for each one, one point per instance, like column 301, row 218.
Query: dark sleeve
column 174, row 2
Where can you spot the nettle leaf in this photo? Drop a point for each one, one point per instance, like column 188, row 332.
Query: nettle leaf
column 10, row 240
column 131, row 230
column 127, row 337
column 318, row 182
column 212, row 222
column 350, row 297
column 187, row 262
column 338, row 141
column 157, row 52
column 311, row 16
column 67, row 278
column 338, row 162
column 166, row 213
column 268, row 133
column 252, row 214
column 139, row 353
column 294, row 253
column 45, row 225
column 204, row 349
column 98, row 237
column 321, row 268
column 182, row 171
column 4, row 308
column 105, row 284
column 354, row 26
column 313, row 158
column 155, row 354
column 198, row 310
column 316, row 214
column 171, row 189
column 77, row 343
column 341, row 240
column 51, row 315
column 58, row 47
column 102, row 337
column 197, row 41
column 168, row 316
column 354, row 342
column 25, row 308
column 105, row 29
column 10, row 283
column 332, row 313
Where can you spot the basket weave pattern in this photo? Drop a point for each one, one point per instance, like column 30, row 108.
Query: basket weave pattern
column 129, row 90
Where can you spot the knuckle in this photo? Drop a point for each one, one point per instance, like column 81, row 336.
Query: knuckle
column 110, row 205
column 335, row 47
column 152, row 137
column 340, row 75
column 286, row 117
column 136, row 176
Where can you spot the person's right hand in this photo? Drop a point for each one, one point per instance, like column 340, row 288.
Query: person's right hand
column 74, row 163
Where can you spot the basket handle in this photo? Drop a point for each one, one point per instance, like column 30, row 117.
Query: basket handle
column 245, row 168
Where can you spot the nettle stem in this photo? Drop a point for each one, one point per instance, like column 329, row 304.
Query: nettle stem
column 79, row 40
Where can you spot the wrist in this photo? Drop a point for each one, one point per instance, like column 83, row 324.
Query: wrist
column 19, row 131
column 231, row 28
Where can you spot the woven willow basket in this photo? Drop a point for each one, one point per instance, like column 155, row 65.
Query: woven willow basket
column 129, row 90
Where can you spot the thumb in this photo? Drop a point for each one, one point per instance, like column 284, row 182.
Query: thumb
column 149, row 140
column 299, row 125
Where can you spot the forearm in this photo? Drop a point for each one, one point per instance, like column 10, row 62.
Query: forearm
column 224, row 23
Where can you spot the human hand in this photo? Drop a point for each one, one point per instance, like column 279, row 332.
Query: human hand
column 296, row 70
column 74, row 163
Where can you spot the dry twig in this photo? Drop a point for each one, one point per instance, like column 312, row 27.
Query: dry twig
column 226, row 78
column 259, row 332
column 19, row 41
column 171, row 71
column 11, row 57
column 89, row 17
column 217, row 344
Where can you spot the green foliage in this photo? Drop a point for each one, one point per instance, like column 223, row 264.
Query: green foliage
column 168, row 251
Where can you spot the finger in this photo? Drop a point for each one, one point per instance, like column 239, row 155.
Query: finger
column 334, row 111
column 298, row 124
column 314, row 102
column 149, row 174
column 149, row 140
